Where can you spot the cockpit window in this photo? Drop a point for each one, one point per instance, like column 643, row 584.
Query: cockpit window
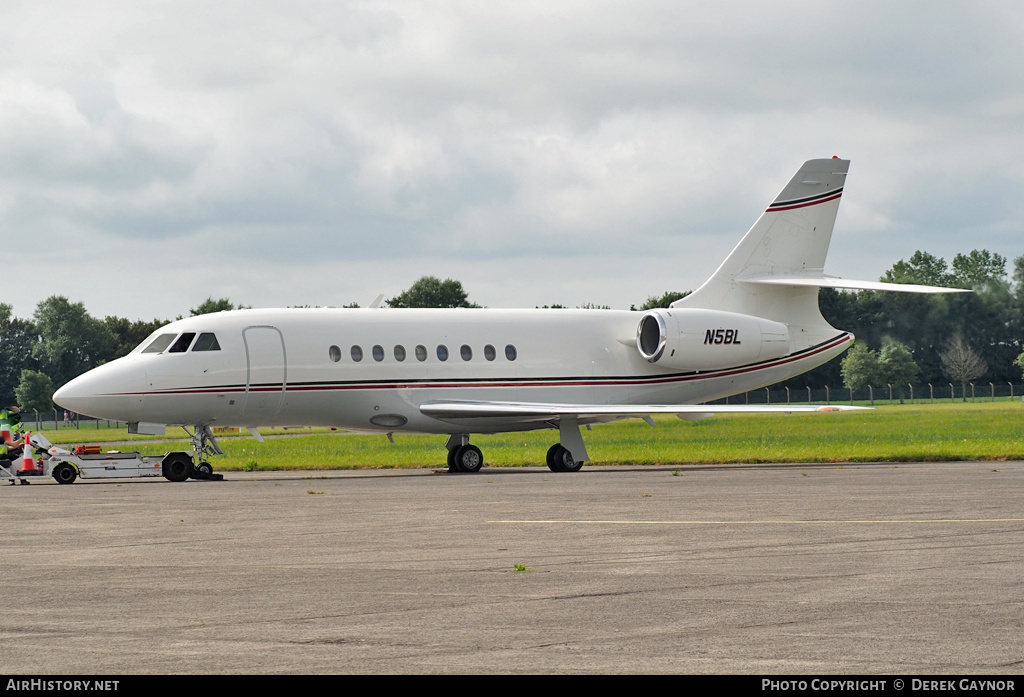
column 159, row 344
column 182, row 344
column 207, row 341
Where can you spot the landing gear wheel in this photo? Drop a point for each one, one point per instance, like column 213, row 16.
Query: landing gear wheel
column 65, row 473
column 452, row 467
column 560, row 459
column 469, row 459
column 553, row 463
column 177, row 467
column 204, row 470
column 569, row 464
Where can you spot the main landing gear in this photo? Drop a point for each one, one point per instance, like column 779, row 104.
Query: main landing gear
column 463, row 457
column 466, row 458
column 560, row 459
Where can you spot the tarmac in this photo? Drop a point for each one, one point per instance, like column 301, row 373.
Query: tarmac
column 867, row 569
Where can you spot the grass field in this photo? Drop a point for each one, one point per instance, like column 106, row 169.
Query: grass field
column 899, row 433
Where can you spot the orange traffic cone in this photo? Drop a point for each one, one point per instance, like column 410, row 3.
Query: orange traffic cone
column 28, row 460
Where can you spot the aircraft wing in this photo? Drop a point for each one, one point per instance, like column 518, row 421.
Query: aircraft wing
column 467, row 412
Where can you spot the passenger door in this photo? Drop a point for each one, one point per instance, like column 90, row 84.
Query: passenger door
column 266, row 380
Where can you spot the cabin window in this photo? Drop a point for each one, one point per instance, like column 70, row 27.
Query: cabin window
column 334, row 352
column 378, row 353
column 421, row 353
column 357, row 353
column 467, row 352
column 442, row 352
column 182, row 344
column 207, row 341
column 159, row 344
column 489, row 352
column 510, row 352
column 399, row 353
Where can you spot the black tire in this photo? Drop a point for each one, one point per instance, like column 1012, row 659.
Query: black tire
column 65, row 473
column 204, row 470
column 469, row 459
column 452, row 467
column 560, row 459
column 554, row 463
column 177, row 467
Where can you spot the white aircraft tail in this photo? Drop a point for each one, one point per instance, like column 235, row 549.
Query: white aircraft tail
column 776, row 269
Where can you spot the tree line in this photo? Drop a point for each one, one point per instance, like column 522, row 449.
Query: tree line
column 901, row 338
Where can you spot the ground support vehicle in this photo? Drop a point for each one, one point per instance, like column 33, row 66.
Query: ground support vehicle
column 65, row 466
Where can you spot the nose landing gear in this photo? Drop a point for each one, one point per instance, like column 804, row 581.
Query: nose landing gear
column 205, row 446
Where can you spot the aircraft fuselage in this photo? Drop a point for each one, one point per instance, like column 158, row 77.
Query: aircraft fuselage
column 292, row 367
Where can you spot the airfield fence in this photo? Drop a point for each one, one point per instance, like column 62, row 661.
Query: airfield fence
column 47, row 421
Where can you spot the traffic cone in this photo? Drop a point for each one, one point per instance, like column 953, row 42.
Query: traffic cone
column 28, row 460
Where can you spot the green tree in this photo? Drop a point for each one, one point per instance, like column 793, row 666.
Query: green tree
column 860, row 368
column 210, row 305
column 1018, row 278
column 34, row 391
column 1016, row 324
column 978, row 269
column 896, row 363
column 664, row 300
column 126, row 334
column 17, row 339
column 70, row 340
column 897, row 366
column 923, row 269
column 430, row 291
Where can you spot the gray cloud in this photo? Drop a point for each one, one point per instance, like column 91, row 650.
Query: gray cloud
column 583, row 152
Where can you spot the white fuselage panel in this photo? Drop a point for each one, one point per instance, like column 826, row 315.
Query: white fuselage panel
column 298, row 367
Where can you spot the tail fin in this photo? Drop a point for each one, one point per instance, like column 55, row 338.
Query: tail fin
column 789, row 240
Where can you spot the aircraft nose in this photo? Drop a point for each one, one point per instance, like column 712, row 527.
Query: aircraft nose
column 111, row 391
column 75, row 396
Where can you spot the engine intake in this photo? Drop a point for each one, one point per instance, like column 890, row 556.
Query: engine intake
column 696, row 339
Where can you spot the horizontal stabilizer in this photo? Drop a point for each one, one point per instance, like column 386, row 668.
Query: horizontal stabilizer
column 526, row 412
column 836, row 282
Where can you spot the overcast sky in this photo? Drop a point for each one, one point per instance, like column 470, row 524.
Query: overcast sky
column 153, row 154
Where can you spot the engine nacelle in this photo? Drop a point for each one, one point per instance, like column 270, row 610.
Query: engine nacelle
column 695, row 339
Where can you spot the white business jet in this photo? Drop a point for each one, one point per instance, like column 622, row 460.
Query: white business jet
column 458, row 372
